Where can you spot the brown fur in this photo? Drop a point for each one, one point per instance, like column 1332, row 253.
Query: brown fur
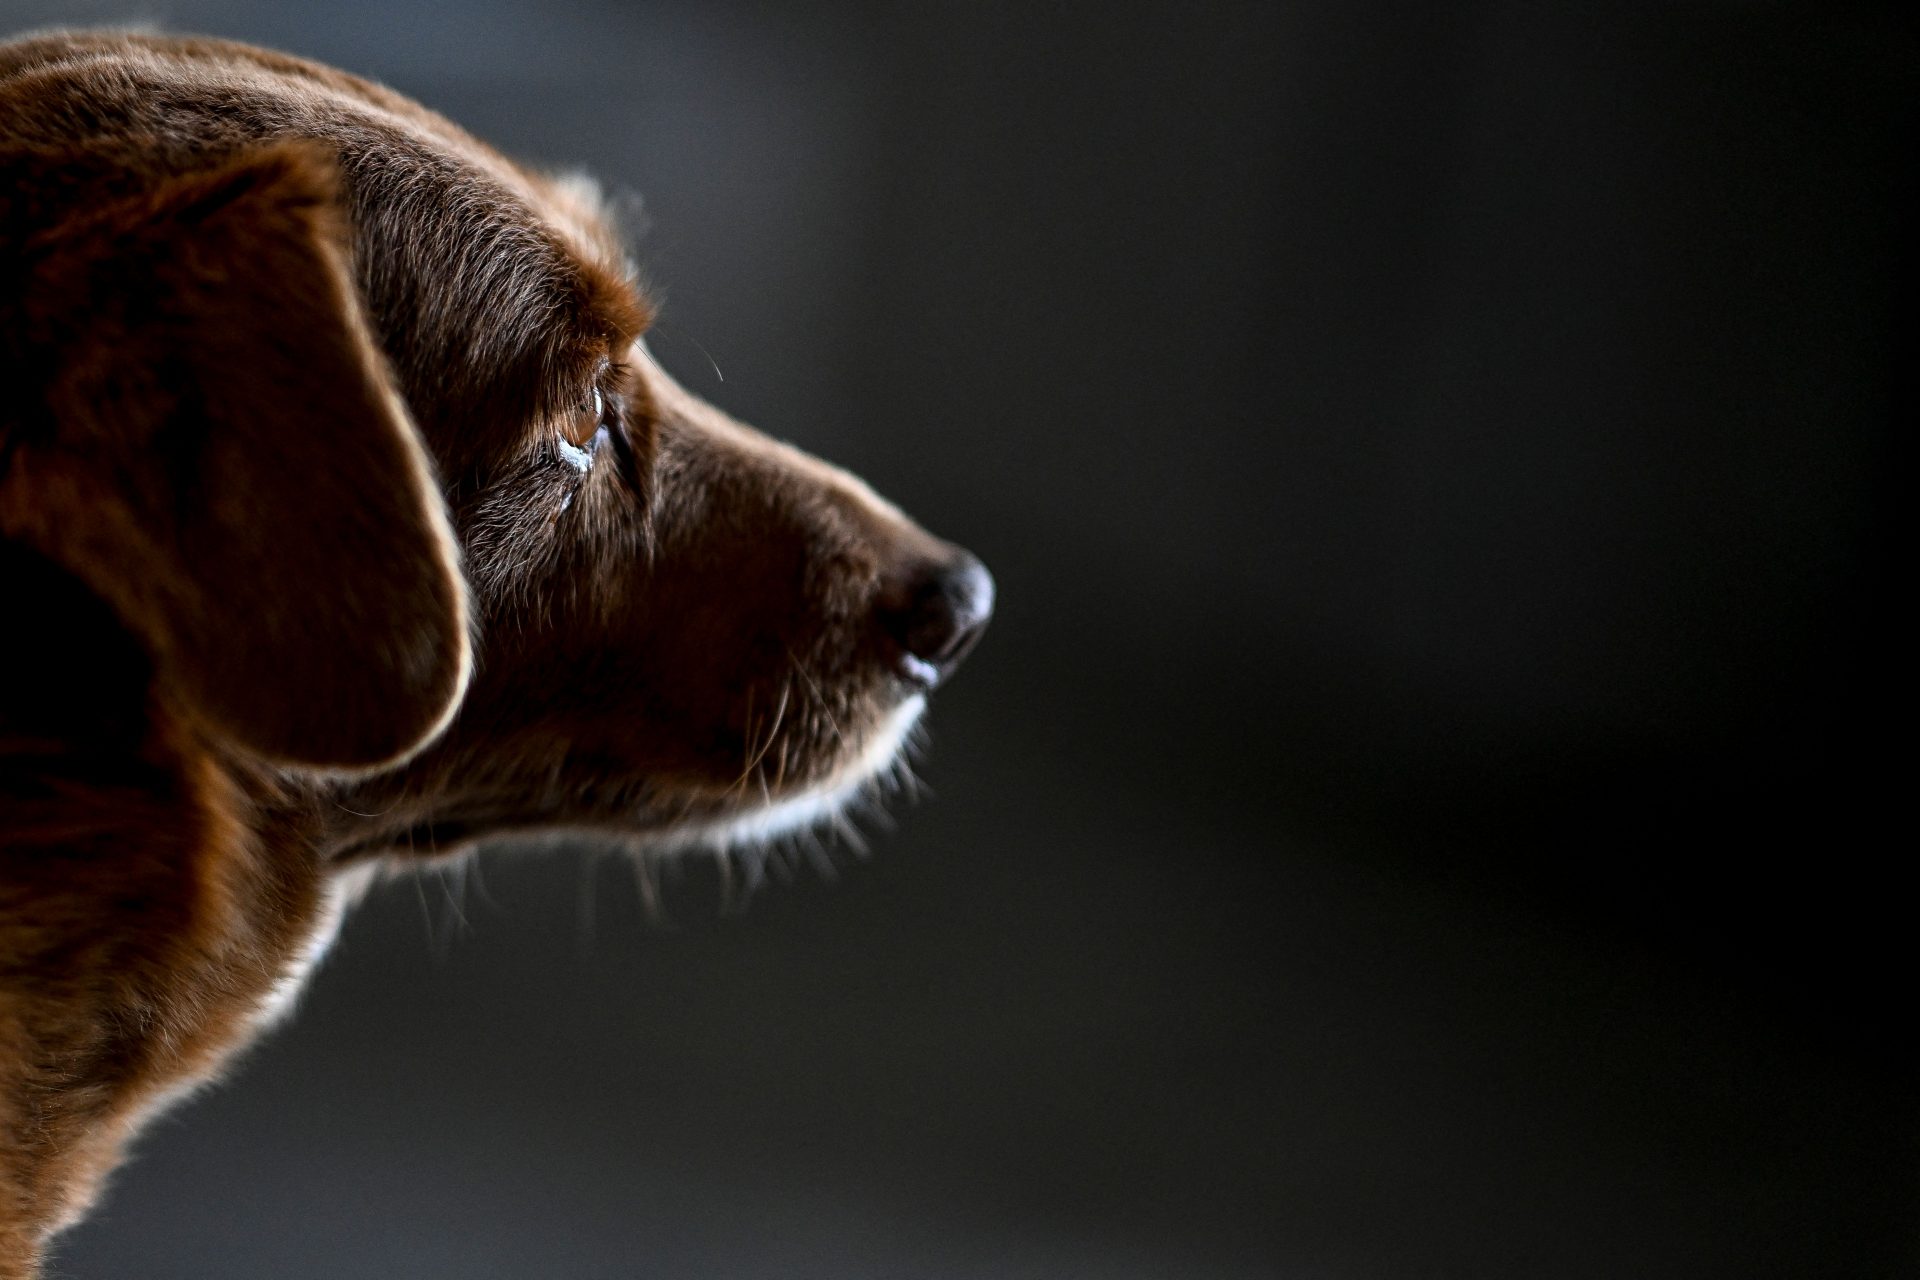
column 310, row 573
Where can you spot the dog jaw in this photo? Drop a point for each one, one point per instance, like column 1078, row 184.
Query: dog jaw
column 767, row 820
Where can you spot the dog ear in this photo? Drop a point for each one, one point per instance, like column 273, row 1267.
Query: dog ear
column 219, row 452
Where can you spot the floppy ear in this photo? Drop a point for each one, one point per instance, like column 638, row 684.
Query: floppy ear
column 218, row 450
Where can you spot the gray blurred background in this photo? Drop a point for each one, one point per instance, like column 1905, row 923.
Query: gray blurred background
column 1430, row 803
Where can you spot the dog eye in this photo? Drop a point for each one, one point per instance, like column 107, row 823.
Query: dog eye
column 586, row 420
column 583, row 431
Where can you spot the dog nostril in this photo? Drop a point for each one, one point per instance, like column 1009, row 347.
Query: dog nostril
column 936, row 614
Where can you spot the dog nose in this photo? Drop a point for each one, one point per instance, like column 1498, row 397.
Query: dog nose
column 936, row 614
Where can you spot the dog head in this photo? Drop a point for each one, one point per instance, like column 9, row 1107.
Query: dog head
column 300, row 337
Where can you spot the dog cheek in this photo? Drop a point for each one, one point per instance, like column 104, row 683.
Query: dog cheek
column 514, row 532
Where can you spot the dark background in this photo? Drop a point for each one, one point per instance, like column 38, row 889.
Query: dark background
column 1434, row 799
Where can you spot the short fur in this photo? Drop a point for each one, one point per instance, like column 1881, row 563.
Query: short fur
column 344, row 515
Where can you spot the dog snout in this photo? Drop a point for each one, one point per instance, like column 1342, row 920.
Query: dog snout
column 936, row 613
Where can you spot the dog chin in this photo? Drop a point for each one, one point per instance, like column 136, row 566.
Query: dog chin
column 820, row 805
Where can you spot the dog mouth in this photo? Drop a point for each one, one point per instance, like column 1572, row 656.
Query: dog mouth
column 759, row 809
column 917, row 673
column 768, row 739
column 880, row 767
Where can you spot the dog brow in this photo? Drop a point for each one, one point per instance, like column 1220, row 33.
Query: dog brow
column 610, row 309
column 613, row 308
column 545, row 293
column 606, row 314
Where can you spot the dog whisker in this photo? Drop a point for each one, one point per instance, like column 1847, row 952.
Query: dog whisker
column 453, row 889
column 757, row 755
column 849, row 833
column 357, row 813
column 819, row 699
column 646, row 877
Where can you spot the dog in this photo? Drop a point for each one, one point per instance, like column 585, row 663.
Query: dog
column 345, row 520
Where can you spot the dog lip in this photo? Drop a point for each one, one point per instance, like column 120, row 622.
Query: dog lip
column 918, row 672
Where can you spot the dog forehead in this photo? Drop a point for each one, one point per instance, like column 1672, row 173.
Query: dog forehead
column 473, row 256
column 570, row 205
column 172, row 91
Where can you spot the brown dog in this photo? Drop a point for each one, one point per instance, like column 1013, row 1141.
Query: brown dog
column 343, row 515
